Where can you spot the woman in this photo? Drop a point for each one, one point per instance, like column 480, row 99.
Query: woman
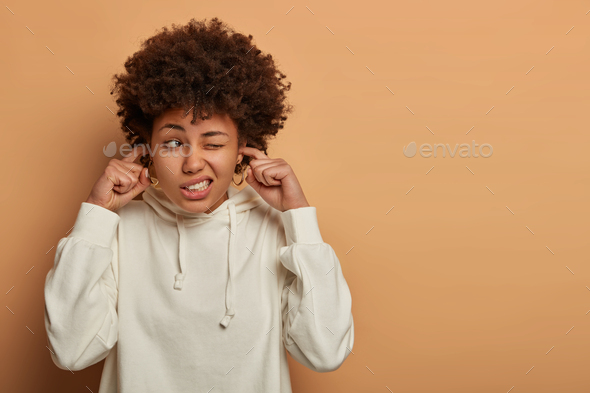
column 198, row 285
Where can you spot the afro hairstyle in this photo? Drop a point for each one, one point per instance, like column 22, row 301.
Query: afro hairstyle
column 207, row 67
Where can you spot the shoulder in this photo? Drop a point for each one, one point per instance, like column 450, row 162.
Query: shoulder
column 265, row 218
column 133, row 210
column 267, row 213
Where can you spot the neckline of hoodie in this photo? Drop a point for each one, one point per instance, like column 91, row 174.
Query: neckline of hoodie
column 174, row 209
column 240, row 216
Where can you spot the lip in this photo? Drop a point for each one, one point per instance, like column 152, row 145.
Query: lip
column 190, row 194
column 195, row 181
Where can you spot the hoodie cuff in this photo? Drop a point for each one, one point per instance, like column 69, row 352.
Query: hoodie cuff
column 95, row 224
column 301, row 226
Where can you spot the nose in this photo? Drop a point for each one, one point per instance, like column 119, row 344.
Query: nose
column 193, row 161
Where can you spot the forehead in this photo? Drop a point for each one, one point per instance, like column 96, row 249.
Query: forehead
column 179, row 120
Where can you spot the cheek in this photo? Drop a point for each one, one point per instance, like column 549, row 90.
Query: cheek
column 222, row 162
column 168, row 163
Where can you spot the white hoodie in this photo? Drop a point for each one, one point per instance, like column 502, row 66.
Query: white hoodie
column 187, row 302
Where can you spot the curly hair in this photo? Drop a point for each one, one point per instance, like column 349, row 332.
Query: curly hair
column 206, row 67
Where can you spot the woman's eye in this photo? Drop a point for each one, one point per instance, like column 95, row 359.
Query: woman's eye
column 171, row 142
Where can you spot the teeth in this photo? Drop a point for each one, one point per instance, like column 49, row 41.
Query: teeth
column 200, row 186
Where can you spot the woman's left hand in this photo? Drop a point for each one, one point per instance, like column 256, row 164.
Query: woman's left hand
column 274, row 180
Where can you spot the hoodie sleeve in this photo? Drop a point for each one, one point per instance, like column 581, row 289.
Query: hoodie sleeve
column 81, row 291
column 316, row 304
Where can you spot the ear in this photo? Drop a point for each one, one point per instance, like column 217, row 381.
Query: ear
column 240, row 148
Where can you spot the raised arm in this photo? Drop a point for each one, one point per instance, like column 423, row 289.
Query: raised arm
column 318, row 328
column 81, row 291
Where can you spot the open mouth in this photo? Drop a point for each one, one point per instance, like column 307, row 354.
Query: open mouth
column 199, row 187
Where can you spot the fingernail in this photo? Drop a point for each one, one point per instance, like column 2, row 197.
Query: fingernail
column 147, row 173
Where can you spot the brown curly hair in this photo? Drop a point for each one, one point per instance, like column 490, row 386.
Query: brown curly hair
column 206, row 67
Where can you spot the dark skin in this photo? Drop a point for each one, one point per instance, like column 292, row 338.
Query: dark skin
column 274, row 180
column 216, row 156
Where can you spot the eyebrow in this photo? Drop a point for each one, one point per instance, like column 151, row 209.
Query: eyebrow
column 203, row 135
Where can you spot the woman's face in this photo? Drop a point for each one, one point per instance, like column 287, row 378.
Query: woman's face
column 183, row 152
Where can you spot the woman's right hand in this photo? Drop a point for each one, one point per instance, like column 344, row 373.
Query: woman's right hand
column 121, row 181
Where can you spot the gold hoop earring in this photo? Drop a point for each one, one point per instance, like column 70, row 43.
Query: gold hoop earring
column 153, row 180
column 237, row 184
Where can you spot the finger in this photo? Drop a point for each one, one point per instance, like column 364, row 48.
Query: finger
column 130, row 168
column 267, row 174
column 251, row 179
column 142, row 183
column 135, row 153
column 125, row 186
column 117, row 171
column 112, row 176
column 133, row 180
column 122, row 182
column 253, row 152
column 144, row 178
column 257, row 162
column 258, row 175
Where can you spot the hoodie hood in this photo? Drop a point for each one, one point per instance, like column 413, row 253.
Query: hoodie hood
column 238, row 202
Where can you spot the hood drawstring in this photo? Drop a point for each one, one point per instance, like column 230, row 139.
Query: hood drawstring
column 229, row 311
column 179, row 277
column 238, row 202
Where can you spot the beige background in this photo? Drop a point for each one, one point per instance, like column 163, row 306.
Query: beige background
column 451, row 291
